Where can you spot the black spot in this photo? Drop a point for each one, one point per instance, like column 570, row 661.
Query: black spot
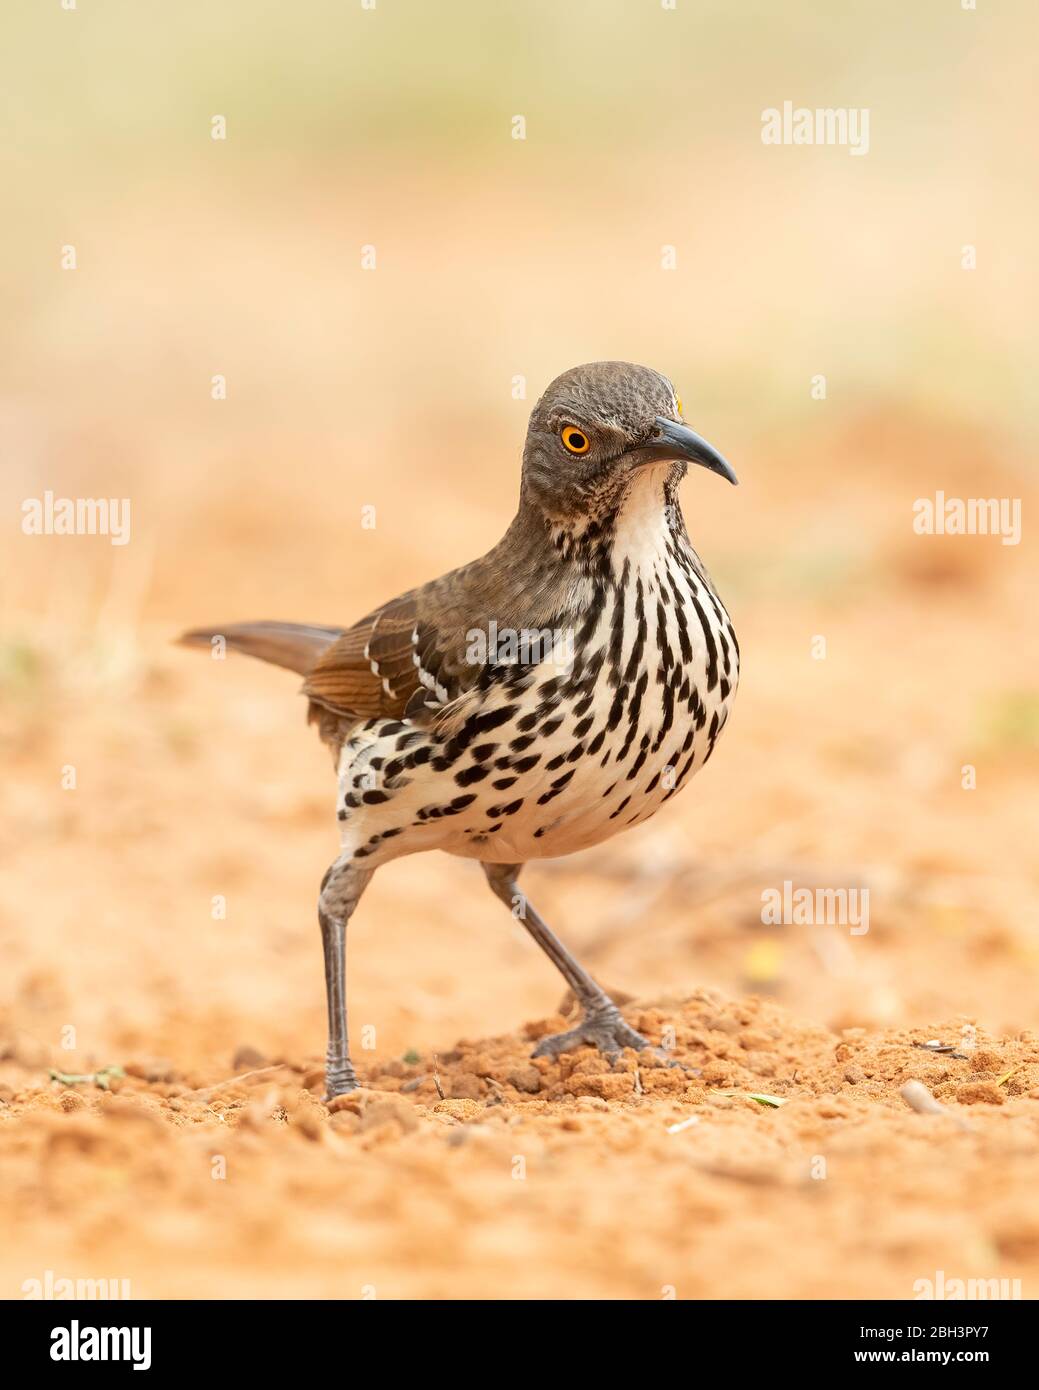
column 617, row 708
column 472, row 774
column 484, row 723
column 712, row 650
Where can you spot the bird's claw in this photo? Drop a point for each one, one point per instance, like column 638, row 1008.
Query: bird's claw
column 605, row 1030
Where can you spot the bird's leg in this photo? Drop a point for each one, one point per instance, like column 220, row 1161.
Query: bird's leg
column 601, row 1023
column 341, row 889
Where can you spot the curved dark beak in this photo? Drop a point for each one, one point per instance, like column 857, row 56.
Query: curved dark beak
column 672, row 441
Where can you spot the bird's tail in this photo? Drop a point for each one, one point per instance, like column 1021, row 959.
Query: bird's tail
column 295, row 646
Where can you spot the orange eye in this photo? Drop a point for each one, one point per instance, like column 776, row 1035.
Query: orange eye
column 576, row 440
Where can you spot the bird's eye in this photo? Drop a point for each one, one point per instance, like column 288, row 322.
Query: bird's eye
column 576, row 440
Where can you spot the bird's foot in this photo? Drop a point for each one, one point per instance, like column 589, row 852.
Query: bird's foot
column 340, row 1078
column 605, row 1029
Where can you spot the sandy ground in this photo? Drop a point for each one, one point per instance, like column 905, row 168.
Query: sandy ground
column 545, row 1179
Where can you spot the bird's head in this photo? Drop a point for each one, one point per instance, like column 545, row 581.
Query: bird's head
column 598, row 429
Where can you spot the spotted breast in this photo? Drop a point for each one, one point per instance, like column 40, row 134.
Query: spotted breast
column 587, row 726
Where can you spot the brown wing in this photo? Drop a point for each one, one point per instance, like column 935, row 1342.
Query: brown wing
column 414, row 656
column 395, row 662
column 370, row 669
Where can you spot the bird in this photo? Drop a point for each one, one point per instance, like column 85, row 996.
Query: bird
column 536, row 701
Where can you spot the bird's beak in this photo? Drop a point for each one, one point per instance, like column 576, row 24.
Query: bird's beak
column 671, row 441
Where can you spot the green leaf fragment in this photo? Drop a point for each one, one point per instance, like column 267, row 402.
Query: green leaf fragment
column 774, row 1102
column 100, row 1078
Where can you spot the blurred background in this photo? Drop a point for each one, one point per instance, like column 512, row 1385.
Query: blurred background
column 396, row 388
